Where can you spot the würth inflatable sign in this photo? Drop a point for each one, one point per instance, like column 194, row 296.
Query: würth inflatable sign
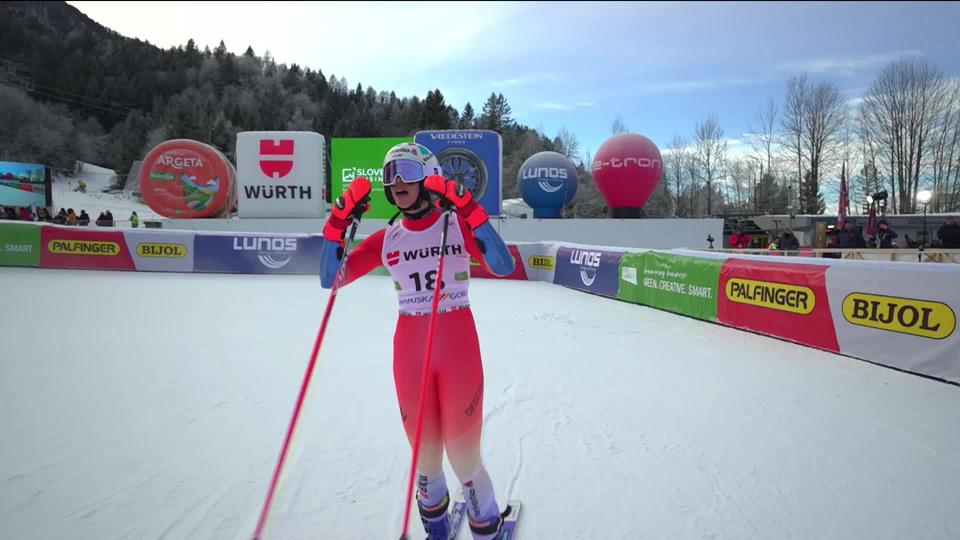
column 280, row 174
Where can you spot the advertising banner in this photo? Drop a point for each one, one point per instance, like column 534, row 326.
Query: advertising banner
column 588, row 269
column 898, row 314
column 186, row 179
column 473, row 157
column 84, row 248
column 257, row 253
column 685, row 285
column 24, row 184
column 777, row 299
column 280, row 174
column 19, row 244
column 539, row 260
column 477, row 270
column 353, row 158
column 161, row 251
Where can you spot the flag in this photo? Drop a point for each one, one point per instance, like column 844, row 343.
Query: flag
column 872, row 221
column 844, row 198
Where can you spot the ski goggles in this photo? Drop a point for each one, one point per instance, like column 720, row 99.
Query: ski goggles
column 409, row 170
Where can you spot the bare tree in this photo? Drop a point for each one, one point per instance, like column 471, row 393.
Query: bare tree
column 675, row 173
column 567, row 144
column 945, row 167
column 710, row 155
column 792, row 121
column 825, row 115
column 763, row 136
column 618, row 126
column 902, row 109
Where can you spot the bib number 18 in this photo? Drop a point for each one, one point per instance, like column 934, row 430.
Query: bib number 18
column 430, row 281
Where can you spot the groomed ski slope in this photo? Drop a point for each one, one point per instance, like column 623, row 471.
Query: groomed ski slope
column 153, row 406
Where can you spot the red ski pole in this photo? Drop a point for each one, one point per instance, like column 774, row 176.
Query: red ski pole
column 424, row 377
column 265, row 511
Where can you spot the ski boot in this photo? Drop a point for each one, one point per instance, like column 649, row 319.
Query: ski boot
column 489, row 529
column 435, row 520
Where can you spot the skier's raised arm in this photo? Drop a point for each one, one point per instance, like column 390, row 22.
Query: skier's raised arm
column 492, row 251
column 354, row 201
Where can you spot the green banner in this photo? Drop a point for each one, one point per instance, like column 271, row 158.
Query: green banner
column 352, row 158
column 19, row 244
column 685, row 285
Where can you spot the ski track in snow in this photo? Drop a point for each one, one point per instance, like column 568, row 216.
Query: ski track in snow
column 134, row 419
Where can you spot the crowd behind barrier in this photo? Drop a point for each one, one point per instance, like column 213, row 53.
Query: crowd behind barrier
column 65, row 216
column 895, row 314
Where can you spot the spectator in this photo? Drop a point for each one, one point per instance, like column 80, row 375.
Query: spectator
column 850, row 238
column 109, row 216
column 71, row 217
column 832, row 242
column 739, row 240
column 787, row 241
column 134, row 220
column 102, row 220
column 83, row 219
column 61, row 218
column 910, row 242
column 949, row 234
column 884, row 236
column 25, row 213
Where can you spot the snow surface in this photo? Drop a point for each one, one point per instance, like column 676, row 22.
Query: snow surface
column 138, row 405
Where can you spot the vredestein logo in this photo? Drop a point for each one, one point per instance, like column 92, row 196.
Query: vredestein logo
column 923, row 318
column 770, row 295
column 274, row 253
column 83, row 247
column 166, row 251
column 542, row 263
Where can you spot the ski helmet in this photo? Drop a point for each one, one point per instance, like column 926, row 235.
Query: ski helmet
column 412, row 163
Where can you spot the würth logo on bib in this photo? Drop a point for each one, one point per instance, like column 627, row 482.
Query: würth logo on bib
column 269, row 151
column 393, row 258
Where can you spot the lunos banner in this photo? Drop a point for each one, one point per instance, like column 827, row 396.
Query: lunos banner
column 83, row 248
column 588, row 269
column 19, row 244
column 188, row 179
column 897, row 314
column 257, row 254
column 685, row 285
column 355, row 158
column 161, row 251
column 473, row 157
column 280, row 174
column 777, row 299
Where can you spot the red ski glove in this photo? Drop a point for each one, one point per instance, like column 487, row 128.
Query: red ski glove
column 354, row 201
column 457, row 195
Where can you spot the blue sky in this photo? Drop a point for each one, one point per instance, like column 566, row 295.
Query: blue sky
column 661, row 66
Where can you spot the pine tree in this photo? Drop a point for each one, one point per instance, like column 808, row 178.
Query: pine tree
column 467, row 120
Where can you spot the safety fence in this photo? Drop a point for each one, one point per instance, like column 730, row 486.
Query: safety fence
column 897, row 314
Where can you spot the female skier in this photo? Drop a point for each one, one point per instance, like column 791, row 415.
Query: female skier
column 409, row 249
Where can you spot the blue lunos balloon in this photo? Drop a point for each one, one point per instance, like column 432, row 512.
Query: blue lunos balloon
column 548, row 182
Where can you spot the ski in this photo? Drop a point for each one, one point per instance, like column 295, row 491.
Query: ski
column 456, row 517
column 508, row 531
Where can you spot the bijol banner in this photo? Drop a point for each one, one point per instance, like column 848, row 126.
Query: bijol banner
column 84, row 248
column 777, row 299
column 161, row 251
column 898, row 314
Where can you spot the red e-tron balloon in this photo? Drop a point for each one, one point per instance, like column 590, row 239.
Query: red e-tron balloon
column 626, row 170
column 187, row 179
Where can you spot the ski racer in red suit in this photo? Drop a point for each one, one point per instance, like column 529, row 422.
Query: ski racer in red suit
column 409, row 250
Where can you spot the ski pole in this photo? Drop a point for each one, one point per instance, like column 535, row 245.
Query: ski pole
column 424, row 377
column 341, row 272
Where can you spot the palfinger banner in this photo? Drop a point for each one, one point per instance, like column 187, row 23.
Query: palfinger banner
column 777, row 299
column 84, row 248
column 898, row 314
